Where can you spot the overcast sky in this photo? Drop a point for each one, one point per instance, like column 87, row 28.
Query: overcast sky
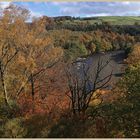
column 80, row 9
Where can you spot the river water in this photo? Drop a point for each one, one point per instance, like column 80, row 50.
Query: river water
column 116, row 65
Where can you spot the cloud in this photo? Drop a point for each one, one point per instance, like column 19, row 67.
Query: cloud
column 99, row 8
column 98, row 15
column 4, row 4
column 35, row 14
column 82, row 9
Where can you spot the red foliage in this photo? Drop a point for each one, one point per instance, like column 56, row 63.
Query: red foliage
column 49, row 97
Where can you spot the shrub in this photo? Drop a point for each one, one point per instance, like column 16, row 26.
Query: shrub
column 14, row 129
column 10, row 111
column 73, row 128
column 38, row 125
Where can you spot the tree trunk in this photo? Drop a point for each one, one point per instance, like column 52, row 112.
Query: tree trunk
column 5, row 94
column 32, row 91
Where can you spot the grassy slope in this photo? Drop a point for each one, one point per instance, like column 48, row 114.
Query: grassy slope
column 114, row 20
column 121, row 20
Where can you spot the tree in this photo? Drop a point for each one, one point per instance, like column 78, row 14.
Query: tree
column 9, row 41
column 26, row 51
column 83, row 83
column 134, row 56
column 91, row 47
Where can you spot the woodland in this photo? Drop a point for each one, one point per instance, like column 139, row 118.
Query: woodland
column 56, row 80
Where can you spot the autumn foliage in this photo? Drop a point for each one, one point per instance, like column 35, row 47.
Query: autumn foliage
column 38, row 89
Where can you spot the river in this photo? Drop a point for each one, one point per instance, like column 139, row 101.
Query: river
column 116, row 65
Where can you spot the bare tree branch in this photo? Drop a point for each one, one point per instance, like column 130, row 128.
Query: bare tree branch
column 82, row 86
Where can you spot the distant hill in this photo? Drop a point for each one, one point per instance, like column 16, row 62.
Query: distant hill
column 113, row 20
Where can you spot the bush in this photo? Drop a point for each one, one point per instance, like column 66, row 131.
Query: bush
column 73, row 128
column 10, row 111
column 66, row 128
column 38, row 125
column 14, row 129
column 123, row 115
column 10, row 126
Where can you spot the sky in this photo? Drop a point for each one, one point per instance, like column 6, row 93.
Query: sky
column 79, row 9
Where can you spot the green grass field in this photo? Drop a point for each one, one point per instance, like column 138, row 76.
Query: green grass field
column 121, row 20
column 113, row 20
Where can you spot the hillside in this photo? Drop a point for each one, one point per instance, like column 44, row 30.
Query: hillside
column 113, row 20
